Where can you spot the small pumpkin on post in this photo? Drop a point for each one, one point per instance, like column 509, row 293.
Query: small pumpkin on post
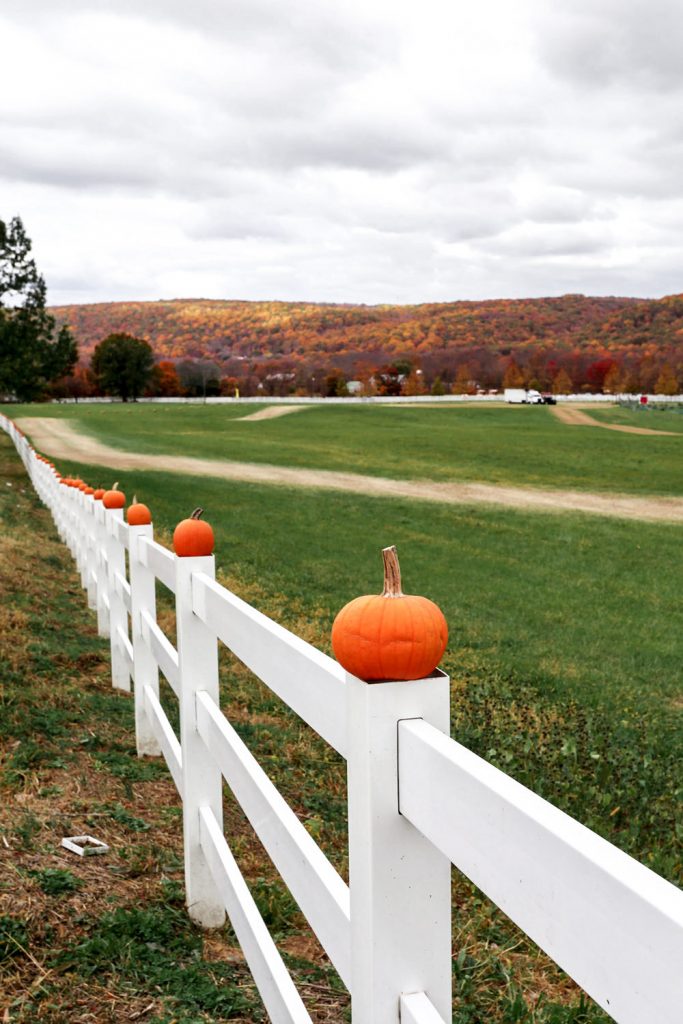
column 99, row 493
column 391, row 636
column 114, row 498
column 138, row 514
column 193, row 537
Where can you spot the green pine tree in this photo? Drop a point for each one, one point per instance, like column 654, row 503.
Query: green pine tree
column 32, row 353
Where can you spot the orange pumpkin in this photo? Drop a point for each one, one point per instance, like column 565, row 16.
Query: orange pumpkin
column 99, row 493
column 89, row 490
column 193, row 537
column 390, row 636
column 114, row 498
column 138, row 514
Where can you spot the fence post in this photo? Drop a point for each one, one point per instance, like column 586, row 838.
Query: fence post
column 84, row 542
column 91, row 551
column 101, row 569
column 118, row 616
column 202, row 779
column 145, row 670
column 58, row 512
column 69, row 519
column 73, row 524
column 83, row 527
column 400, row 884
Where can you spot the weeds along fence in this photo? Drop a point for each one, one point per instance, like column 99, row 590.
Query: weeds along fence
column 417, row 802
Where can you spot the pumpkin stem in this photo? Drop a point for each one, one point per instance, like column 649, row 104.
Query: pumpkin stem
column 116, row 486
column 135, row 499
column 392, row 573
column 197, row 514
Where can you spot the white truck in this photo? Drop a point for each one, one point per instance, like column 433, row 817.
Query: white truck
column 524, row 396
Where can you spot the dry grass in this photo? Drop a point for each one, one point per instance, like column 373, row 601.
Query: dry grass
column 82, row 776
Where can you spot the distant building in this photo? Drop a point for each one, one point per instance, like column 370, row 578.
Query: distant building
column 354, row 387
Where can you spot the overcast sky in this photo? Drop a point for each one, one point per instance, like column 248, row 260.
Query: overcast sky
column 374, row 151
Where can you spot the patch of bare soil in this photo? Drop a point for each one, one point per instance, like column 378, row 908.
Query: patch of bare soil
column 576, row 417
column 272, row 412
column 61, row 440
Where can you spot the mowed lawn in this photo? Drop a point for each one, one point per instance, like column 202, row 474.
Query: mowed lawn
column 524, row 446
column 651, row 417
column 565, row 619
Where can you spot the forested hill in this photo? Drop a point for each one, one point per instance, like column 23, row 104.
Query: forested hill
column 203, row 328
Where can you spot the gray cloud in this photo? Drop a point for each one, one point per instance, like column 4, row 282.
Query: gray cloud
column 635, row 45
column 357, row 152
column 535, row 243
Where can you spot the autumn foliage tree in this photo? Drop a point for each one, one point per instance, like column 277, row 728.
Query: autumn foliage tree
column 562, row 383
column 462, row 385
column 79, row 384
column 414, row 384
column 389, row 380
column 164, row 381
column 335, row 384
column 597, row 372
column 667, row 383
column 612, row 382
column 514, row 378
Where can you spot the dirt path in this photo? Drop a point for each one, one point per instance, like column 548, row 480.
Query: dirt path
column 271, row 412
column 576, row 417
column 60, row 440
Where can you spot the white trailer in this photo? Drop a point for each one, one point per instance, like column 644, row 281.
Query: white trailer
column 524, row 396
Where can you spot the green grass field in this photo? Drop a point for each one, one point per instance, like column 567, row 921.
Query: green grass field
column 499, row 444
column 650, row 416
column 565, row 652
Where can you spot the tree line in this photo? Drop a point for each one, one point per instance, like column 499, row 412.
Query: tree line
column 206, row 348
column 124, row 366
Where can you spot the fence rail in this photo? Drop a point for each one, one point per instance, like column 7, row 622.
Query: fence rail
column 417, row 802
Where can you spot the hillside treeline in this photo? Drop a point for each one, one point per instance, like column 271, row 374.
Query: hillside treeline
column 572, row 342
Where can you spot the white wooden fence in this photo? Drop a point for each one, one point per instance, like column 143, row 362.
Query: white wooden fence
column 368, row 399
column 417, row 803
